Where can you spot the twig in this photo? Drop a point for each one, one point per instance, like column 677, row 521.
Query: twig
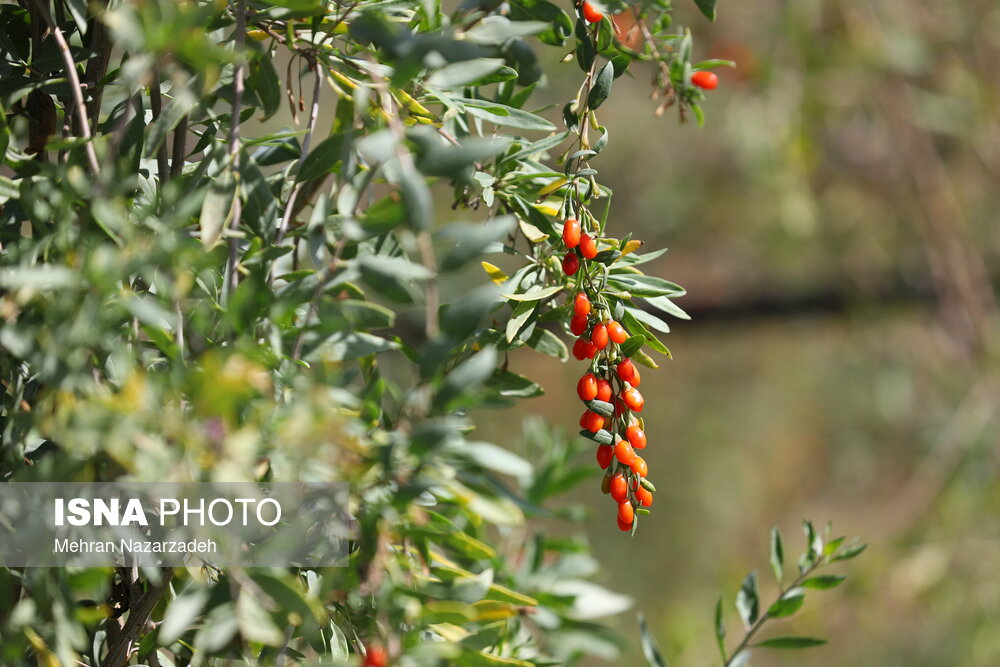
column 156, row 103
column 234, row 146
column 306, row 141
column 179, row 149
column 74, row 82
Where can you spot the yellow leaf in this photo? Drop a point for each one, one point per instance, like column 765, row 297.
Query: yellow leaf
column 491, row 610
column 547, row 208
column 532, row 233
column 494, row 272
column 632, row 246
column 500, row 593
column 450, row 631
column 552, row 187
column 407, row 101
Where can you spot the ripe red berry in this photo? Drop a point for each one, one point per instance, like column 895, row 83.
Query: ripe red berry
column 705, row 80
column 578, row 324
column 605, row 453
column 639, row 466
column 599, row 336
column 571, row 233
column 619, row 488
column 619, row 407
column 583, row 419
column 624, row 452
column 626, row 513
column 595, row 422
column 624, row 527
column 626, row 370
column 570, row 263
column 375, row 656
column 644, row 496
column 580, row 349
column 617, row 333
column 635, row 436
column 636, row 379
column 586, row 388
column 591, row 350
column 581, row 304
column 603, row 390
column 591, row 13
column 633, row 399
column 588, row 247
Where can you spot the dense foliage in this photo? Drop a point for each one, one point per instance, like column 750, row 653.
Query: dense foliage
column 188, row 294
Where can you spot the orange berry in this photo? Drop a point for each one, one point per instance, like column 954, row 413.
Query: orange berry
column 633, row 399
column 581, row 348
column 644, row 496
column 705, row 80
column 375, row 656
column 624, row 527
column 571, row 233
column 591, row 14
column 636, row 379
column 570, row 263
column 626, row 370
column 626, row 513
column 617, row 333
column 581, row 304
column 588, row 247
column 586, row 388
column 619, row 488
column 599, row 336
column 636, row 437
column 603, row 390
column 624, row 452
column 595, row 422
column 639, row 466
column 605, row 453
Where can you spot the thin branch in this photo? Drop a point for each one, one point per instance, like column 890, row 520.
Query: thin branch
column 156, row 103
column 234, row 145
column 179, row 149
column 306, row 141
column 77, row 90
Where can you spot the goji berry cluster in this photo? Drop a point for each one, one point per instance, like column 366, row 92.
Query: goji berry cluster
column 609, row 389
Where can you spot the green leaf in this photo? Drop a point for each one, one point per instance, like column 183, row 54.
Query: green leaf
column 720, row 629
column 789, row 603
column 519, row 319
column 791, row 642
column 649, row 648
column 535, row 294
column 470, row 242
column 215, row 207
column 544, row 341
column 345, row 345
column 469, row 375
column 602, row 408
column 645, row 286
column 707, row 8
column 323, row 159
column 777, row 554
column 218, row 629
column 824, row 582
column 632, row 345
column 498, row 29
column 496, row 458
column 668, row 306
column 602, row 437
column 466, row 72
column 748, row 600
column 512, row 385
column 501, row 114
column 180, row 615
column 602, row 86
column 255, row 623
column 849, row 552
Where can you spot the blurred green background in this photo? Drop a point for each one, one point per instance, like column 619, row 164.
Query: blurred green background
column 835, row 225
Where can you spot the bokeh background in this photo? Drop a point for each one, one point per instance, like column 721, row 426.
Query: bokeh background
column 835, row 224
